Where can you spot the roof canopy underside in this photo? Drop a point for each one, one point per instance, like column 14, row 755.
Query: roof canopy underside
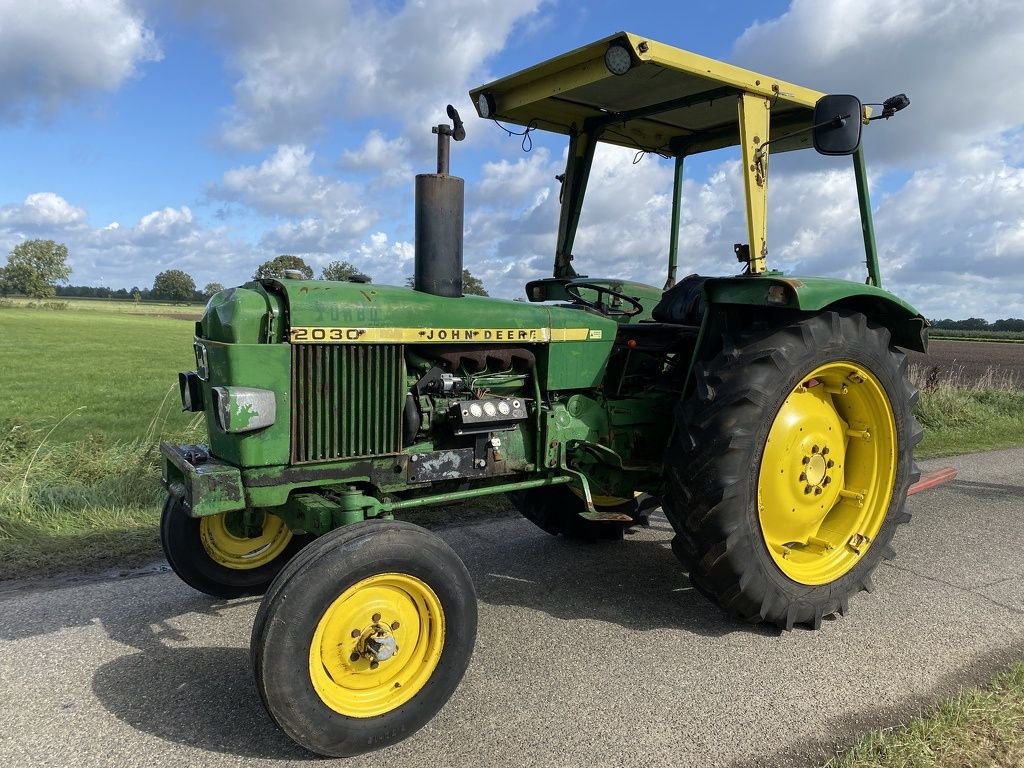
column 670, row 101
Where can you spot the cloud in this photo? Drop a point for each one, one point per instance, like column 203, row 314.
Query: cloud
column 285, row 185
column 41, row 211
column 301, row 65
column 54, row 52
column 123, row 256
column 387, row 160
column 954, row 58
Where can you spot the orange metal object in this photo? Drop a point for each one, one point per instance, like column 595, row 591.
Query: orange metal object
column 933, row 480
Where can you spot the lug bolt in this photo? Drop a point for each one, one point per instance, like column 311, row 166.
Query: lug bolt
column 376, row 618
column 824, row 451
column 803, row 476
column 826, row 481
column 354, row 657
column 374, row 665
column 807, row 489
column 817, row 491
column 814, row 449
column 395, row 625
column 356, row 633
column 805, row 460
column 830, row 463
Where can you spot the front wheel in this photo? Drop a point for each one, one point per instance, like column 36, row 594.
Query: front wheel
column 789, row 469
column 213, row 554
column 363, row 637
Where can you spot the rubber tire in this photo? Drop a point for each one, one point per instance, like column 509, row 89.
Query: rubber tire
column 714, row 460
column 555, row 509
column 179, row 537
column 296, row 601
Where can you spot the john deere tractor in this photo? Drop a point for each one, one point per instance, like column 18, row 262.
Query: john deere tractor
column 767, row 414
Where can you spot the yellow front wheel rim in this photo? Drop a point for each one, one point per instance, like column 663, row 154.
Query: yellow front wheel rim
column 827, row 473
column 224, row 542
column 377, row 645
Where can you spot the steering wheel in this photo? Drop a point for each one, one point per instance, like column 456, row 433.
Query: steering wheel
column 602, row 290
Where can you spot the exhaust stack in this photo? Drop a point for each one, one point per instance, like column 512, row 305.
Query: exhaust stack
column 440, row 203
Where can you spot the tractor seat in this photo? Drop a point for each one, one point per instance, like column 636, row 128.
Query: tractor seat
column 683, row 303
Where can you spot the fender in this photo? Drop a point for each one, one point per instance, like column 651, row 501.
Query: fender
column 908, row 327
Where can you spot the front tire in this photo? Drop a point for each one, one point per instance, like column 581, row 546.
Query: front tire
column 789, row 469
column 212, row 556
column 363, row 637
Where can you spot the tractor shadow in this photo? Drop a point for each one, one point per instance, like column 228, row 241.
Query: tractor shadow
column 637, row 583
column 199, row 697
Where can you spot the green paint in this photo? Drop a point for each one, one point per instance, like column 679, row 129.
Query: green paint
column 860, row 172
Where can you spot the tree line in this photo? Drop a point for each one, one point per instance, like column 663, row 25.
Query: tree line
column 979, row 324
column 35, row 267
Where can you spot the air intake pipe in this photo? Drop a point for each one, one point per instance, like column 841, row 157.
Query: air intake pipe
column 440, row 202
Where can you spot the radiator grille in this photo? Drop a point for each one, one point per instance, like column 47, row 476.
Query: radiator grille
column 346, row 401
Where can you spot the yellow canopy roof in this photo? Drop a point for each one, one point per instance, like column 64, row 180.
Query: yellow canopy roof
column 670, row 101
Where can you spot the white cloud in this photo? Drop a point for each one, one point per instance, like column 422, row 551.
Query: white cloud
column 956, row 59
column 387, row 158
column 39, row 211
column 54, row 51
column 285, row 185
column 301, row 65
column 123, row 256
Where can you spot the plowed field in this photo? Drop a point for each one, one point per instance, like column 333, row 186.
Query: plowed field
column 973, row 362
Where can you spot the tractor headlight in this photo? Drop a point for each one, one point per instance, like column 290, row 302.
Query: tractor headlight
column 243, row 409
column 617, row 58
column 191, row 391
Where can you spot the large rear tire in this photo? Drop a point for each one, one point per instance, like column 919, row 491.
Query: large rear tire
column 789, row 469
column 363, row 637
column 210, row 553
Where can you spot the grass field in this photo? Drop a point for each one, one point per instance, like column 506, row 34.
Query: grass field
column 104, row 374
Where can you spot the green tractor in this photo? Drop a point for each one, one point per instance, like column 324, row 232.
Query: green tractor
column 768, row 415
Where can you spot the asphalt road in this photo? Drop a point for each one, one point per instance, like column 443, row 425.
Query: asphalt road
column 587, row 655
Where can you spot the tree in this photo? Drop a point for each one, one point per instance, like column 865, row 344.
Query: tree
column 174, row 285
column 275, row 267
column 35, row 266
column 341, row 270
column 212, row 288
column 472, row 285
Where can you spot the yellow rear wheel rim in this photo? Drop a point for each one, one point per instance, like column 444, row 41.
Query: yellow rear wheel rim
column 224, row 542
column 391, row 615
column 827, row 473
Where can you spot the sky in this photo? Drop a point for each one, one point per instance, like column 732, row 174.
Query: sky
column 210, row 137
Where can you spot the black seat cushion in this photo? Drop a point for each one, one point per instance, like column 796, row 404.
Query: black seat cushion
column 683, row 303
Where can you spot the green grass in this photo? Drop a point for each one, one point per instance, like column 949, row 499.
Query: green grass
column 980, row 728
column 962, row 416
column 102, row 373
column 106, row 306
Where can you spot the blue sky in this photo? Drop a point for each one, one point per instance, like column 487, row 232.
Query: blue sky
column 210, row 137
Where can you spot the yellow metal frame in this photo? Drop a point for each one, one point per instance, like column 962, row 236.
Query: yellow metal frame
column 670, row 101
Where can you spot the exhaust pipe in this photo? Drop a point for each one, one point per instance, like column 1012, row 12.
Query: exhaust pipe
column 440, row 206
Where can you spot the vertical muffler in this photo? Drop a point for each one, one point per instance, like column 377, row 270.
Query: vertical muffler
column 440, row 206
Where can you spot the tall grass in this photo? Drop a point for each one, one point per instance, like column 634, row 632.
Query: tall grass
column 88, row 504
column 962, row 414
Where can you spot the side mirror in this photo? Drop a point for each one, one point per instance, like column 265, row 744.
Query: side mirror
column 837, row 125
